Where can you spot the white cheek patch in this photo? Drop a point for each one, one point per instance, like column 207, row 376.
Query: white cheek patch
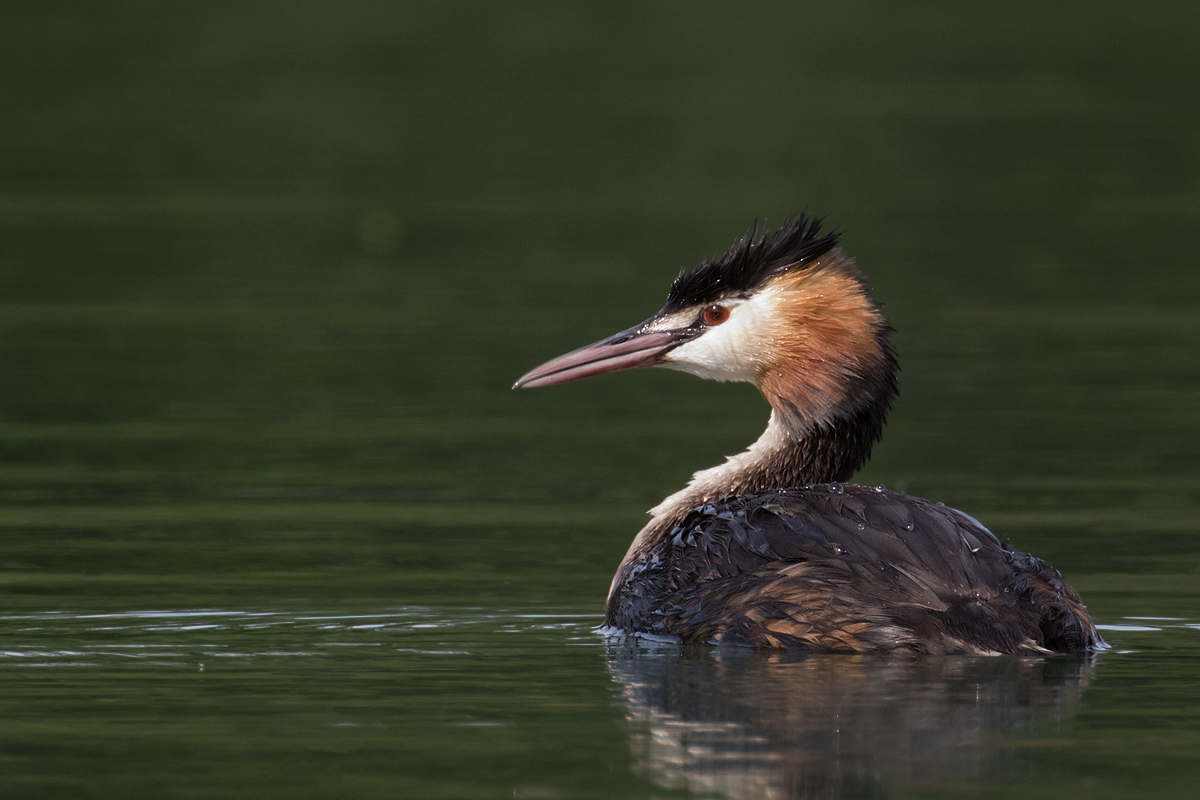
column 729, row 351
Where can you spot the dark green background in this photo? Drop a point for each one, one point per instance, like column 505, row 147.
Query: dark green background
column 267, row 271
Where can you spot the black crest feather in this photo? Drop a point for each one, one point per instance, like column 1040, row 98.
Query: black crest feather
column 749, row 263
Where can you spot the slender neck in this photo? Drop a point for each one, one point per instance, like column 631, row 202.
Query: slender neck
column 782, row 458
column 787, row 455
column 743, row 473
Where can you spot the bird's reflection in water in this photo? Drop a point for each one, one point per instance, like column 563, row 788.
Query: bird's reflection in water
column 746, row 724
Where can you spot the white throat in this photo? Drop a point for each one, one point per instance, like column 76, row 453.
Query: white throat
column 720, row 481
column 708, row 485
column 712, row 484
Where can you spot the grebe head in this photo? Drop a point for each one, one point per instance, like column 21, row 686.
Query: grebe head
column 788, row 313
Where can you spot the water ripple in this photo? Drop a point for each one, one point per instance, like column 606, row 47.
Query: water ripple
column 189, row 637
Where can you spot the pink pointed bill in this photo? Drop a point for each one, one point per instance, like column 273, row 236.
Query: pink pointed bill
column 632, row 348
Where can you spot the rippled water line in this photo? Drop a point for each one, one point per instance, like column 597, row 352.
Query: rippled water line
column 1132, row 627
column 391, row 627
column 416, row 616
column 62, row 638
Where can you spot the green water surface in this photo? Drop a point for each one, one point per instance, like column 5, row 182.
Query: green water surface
column 272, row 523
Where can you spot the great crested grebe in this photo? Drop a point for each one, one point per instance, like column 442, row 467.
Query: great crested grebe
column 772, row 549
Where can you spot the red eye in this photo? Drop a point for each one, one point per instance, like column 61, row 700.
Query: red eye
column 715, row 315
